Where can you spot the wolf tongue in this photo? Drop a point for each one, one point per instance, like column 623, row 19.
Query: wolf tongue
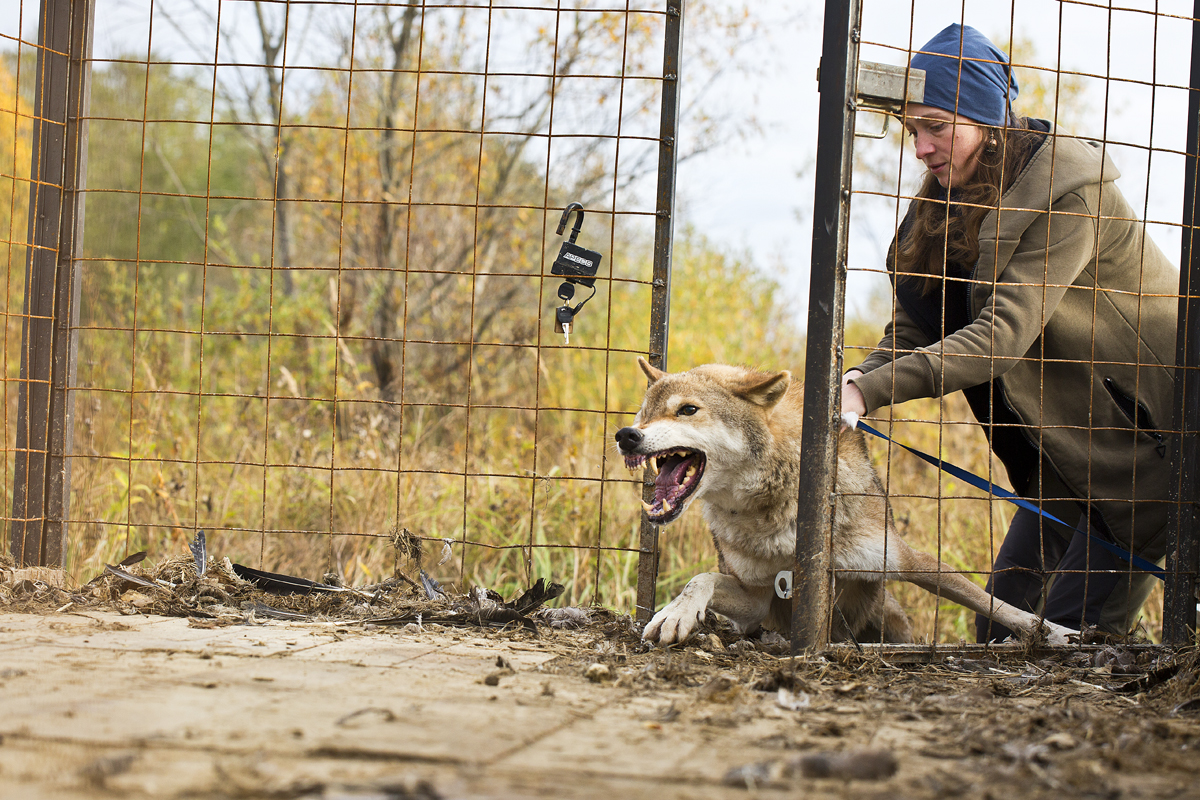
column 671, row 474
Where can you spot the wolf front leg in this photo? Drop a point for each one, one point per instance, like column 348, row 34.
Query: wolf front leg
column 745, row 606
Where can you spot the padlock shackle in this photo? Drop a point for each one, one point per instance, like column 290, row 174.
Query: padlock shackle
column 562, row 223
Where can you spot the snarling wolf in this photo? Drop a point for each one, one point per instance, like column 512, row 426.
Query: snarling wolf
column 730, row 436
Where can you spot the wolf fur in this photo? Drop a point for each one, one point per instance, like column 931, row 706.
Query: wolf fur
column 730, row 436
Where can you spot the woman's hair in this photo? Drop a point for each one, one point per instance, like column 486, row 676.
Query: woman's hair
column 949, row 230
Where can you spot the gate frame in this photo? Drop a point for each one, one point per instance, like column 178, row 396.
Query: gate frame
column 42, row 476
column 660, row 302
column 813, row 575
column 1183, row 549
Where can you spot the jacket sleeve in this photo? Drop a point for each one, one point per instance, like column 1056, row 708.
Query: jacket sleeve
column 900, row 336
column 1048, row 258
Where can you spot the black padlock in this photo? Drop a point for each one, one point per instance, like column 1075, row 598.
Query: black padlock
column 575, row 262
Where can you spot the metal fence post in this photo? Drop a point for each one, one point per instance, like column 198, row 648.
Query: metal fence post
column 811, row 582
column 41, row 480
column 1183, row 559
column 660, row 308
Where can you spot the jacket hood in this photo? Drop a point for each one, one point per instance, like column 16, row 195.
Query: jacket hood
column 1065, row 165
column 1059, row 167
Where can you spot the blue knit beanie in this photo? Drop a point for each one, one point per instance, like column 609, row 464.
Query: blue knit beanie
column 984, row 90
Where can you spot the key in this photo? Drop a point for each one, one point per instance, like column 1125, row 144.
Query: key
column 562, row 322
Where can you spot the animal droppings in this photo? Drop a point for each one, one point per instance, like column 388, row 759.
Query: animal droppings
column 855, row 765
column 597, row 673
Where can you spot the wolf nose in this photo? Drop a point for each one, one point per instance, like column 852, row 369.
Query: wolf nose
column 628, row 439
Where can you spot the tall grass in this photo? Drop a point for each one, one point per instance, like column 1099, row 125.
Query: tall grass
column 309, row 468
column 298, row 483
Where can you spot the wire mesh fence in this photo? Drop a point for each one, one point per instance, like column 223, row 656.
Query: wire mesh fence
column 1014, row 265
column 279, row 271
column 299, row 296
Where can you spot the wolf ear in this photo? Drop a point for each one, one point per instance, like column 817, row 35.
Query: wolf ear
column 652, row 372
column 766, row 391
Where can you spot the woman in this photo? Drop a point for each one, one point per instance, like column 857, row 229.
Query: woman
column 1023, row 278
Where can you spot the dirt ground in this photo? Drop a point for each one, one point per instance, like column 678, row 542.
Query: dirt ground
column 116, row 700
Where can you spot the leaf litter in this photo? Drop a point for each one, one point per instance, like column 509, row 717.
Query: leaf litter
column 1112, row 718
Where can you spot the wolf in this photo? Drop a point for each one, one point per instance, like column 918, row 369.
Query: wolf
column 730, row 437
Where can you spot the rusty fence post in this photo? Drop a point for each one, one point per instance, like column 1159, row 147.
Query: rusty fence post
column 811, row 577
column 41, row 479
column 1183, row 552
column 660, row 303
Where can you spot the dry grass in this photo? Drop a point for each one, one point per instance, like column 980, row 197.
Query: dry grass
column 279, row 483
column 524, row 483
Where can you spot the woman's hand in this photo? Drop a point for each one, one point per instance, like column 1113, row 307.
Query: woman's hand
column 852, row 396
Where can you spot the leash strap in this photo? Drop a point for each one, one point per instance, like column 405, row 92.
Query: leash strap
column 991, row 488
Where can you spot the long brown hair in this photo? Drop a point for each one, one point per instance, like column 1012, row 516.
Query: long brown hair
column 948, row 230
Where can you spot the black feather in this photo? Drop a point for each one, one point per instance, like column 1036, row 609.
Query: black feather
column 499, row 617
column 433, row 589
column 280, row 584
column 200, row 553
column 130, row 560
column 534, row 596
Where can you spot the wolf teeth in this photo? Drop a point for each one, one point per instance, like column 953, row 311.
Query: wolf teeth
column 659, row 458
column 667, row 507
column 649, row 508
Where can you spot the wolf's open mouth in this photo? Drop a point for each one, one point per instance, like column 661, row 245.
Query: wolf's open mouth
column 679, row 474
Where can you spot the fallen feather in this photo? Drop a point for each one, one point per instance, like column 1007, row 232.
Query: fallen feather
column 433, row 589
column 200, row 553
column 275, row 583
column 564, row 618
column 130, row 577
column 535, row 596
column 261, row 609
column 135, row 558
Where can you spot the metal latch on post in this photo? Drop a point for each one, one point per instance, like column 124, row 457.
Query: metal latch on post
column 884, row 89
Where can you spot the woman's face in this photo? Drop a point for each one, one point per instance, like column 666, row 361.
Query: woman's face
column 946, row 142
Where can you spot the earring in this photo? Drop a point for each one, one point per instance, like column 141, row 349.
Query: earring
column 992, row 145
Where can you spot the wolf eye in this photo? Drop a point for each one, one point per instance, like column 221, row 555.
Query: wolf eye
column 687, row 410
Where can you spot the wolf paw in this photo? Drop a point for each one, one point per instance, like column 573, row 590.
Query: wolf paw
column 1058, row 634
column 674, row 623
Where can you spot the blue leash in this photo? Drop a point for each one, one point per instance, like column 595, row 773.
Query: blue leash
column 991, row 488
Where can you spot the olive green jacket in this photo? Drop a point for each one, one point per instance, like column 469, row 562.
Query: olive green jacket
column 1074, row 312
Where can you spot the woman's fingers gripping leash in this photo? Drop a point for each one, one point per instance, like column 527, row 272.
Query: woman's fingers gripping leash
column 853, row 401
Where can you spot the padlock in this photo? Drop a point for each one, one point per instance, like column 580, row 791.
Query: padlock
column 575, row 262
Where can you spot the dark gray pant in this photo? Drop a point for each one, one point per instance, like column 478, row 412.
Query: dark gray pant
column 1045, row 568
